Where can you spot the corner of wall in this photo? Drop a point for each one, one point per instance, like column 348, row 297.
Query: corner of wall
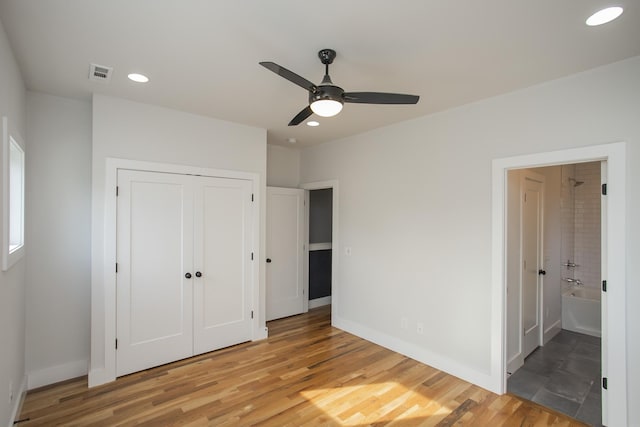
column 17, row 406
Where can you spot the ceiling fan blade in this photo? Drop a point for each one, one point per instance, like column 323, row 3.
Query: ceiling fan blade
column 379, row 98
column 290, row 75
column 301, row 116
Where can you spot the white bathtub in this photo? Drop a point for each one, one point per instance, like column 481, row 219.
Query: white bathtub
column 581, row 310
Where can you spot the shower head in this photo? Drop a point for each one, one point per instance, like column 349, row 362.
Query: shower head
column 576, row 183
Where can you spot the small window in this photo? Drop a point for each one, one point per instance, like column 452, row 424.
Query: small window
column 13, row 161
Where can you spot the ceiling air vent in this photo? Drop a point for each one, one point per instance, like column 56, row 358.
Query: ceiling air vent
column 100, row 73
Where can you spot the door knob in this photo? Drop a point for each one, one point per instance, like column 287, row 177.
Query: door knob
column 188, row 275
column 542, row 272
column 198, row 274
column 268, row 260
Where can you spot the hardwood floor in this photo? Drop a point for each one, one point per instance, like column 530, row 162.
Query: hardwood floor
column 305, row 373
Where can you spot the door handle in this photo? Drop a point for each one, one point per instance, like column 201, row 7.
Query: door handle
column 198, row 274
column 541, row 272
column 268, row 260
column 188, row 275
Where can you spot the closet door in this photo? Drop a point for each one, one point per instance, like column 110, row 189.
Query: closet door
column 154, row 253
column 222, row 294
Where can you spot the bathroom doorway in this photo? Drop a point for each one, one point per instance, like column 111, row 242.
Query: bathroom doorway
column 554, row 279
column 613, row 263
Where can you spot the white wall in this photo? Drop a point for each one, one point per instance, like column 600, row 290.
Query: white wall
column 283, row 166
column 59, row 238
column 12, row 282
column 415, row 206
column 130, row 130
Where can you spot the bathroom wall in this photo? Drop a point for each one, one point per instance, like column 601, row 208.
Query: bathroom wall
column 567, row 206
column 587, row 224
column 581, row 228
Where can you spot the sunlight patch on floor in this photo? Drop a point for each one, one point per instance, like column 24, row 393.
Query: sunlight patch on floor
column 355, row 405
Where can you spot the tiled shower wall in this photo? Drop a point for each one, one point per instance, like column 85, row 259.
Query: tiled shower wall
column 581, row 222
column 567, row 207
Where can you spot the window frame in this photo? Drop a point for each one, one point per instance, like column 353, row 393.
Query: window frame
column 12, row 142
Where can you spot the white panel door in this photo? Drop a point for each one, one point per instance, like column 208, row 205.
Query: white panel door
column 531, row 264
column 222, row 294
column 154, row 252
column 285, row 236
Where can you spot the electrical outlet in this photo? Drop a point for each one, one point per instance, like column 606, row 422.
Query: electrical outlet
column 347, row 251
column 420, row 328
column 404, row 323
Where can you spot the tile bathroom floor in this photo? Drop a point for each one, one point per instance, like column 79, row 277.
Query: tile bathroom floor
column 563, row 375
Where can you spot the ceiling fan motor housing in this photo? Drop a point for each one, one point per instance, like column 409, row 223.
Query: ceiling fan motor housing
column 331, row 92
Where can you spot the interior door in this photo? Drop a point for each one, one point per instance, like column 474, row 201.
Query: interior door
column 222, row 295
column 285, row 236
column 531, row 263
column 154, row 251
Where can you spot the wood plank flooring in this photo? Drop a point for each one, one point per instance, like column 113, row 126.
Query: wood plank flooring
column 306, row 373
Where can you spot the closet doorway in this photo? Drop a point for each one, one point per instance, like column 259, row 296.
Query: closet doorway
column 184, row 268
column 321, row 244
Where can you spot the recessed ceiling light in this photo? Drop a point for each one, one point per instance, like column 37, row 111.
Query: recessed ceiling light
column 603, row 16
column 138, row 78
column 292, row 140
column 313, row 123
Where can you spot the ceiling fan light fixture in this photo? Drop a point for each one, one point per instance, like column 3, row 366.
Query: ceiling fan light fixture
column 326, row 107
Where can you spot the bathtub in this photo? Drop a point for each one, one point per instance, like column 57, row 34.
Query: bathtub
column 581, row 310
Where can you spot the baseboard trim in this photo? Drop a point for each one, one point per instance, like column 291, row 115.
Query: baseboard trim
column 319, row 302
column 552, row 331
column 515, row 363
column 17, row 406
column 56, row 374
column 262, row 334
column 418, row 353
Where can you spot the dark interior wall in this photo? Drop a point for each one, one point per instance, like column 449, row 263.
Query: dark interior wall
column 319, row 274
column 320, row 209
column 320, row 227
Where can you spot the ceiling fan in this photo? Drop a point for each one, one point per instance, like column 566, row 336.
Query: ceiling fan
column 327, row 99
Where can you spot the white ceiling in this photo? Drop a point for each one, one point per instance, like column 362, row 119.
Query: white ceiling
column 202, row 55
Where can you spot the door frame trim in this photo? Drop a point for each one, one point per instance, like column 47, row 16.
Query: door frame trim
column 616, row 255
column 335, row 296
column 105, row 286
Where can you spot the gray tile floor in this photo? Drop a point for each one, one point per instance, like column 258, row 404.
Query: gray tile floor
column 563, row 375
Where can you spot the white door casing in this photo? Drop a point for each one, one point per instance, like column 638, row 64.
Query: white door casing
column 604, row 296
column 532, row 191
column 285, row 240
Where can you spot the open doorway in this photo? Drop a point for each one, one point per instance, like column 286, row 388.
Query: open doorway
column 613, row 262
column 554, row 258
column 321, row 245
